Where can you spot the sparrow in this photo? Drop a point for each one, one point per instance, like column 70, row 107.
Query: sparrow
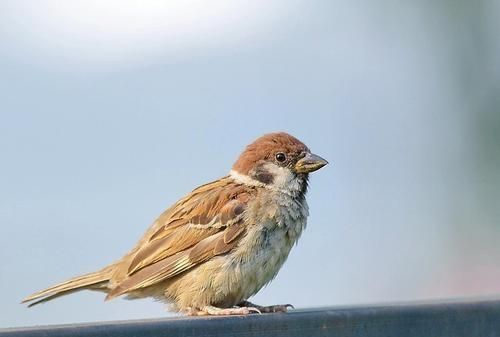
column 220, row 244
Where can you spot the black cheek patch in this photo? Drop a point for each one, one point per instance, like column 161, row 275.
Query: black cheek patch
column 263, row 176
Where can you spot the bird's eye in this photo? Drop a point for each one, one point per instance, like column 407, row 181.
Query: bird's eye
column 280, row 157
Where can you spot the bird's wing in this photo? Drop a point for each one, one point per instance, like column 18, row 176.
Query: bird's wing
column 204, row 224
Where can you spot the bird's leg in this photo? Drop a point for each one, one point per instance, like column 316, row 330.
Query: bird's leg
column 266, row 309
column 211, row 310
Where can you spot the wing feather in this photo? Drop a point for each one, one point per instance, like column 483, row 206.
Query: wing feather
column 159, row 249
column 206, row 223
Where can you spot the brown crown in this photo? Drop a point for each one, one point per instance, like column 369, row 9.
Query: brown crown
column 265, row 147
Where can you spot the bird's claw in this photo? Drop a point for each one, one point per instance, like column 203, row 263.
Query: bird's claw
column 245, row 308
column 268, row 309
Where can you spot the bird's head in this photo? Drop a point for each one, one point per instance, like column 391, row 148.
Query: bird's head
column 277, row 160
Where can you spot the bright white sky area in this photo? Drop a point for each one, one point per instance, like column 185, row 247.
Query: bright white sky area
column 110, row 111
column 117, row 33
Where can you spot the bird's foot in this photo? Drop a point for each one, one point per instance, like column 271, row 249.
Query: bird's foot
column 214, row 311
column 267, row 309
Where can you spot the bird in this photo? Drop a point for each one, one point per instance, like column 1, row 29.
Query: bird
column 221, row 243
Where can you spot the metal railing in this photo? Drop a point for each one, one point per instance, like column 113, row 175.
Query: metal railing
column 467, row 319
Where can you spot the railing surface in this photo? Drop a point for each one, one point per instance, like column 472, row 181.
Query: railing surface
column 467, row 319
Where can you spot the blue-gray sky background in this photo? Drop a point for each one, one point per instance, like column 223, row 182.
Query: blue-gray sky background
column 111, row 111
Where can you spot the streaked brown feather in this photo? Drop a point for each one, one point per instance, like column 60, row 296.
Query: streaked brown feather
column 217, row 244
column 179, row 240
column 150, row 275
column 204, row 224
column 233, row 232
column 222, row 247
column 180, row 262
column 204, row 249
column 168, row 228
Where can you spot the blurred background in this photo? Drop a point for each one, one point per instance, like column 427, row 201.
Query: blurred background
column 112, row 110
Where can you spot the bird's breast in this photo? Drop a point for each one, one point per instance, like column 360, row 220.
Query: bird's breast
column 266, row 245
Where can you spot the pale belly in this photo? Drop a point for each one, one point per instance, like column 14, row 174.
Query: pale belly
column 253, row 269
column 228, row 280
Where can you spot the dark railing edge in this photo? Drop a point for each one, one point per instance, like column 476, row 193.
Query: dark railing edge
column 446, row 318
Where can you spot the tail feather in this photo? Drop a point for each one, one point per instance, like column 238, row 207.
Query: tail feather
column 95, row 281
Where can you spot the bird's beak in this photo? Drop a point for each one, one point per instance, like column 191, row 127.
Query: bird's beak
column 310, row 163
